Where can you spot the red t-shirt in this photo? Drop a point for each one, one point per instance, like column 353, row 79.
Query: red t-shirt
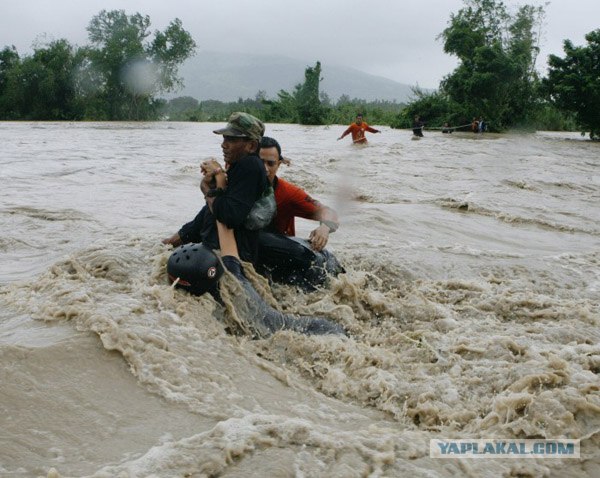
column 358, row 131
column 293, row 202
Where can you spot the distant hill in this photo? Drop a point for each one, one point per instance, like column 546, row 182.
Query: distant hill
column 229, row 76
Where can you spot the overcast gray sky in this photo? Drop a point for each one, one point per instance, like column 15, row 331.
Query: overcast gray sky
column 391, row 38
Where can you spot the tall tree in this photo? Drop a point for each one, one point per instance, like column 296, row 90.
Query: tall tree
column 9, row 89
column 41, row 86
column 497, row 53
column 281, row 110
column 303, row 105
column 434, row 108
column 308, row 102
column 129, row 67
column 573, row 82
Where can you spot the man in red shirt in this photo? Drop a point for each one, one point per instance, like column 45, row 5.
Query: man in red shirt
column 283, row 256
column 358, row 129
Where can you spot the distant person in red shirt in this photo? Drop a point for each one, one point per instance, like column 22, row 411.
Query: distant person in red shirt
column 358, row 129
column 282, row 256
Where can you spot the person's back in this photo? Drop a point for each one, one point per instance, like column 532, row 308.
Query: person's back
column 195, row 268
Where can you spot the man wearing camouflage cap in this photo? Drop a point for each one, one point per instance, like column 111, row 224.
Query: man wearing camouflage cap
column 243, row 125
column 230, row 196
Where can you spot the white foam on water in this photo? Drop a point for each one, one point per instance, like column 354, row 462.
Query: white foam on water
column 462, row 323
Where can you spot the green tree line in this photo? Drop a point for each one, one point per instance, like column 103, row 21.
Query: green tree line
column 496, row 76
column 306, row 104
column 186, row 108
column 496, row 79
column 124, row 69
column 116, row 77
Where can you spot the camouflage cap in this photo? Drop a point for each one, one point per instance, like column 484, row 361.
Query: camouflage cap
column 243, row 125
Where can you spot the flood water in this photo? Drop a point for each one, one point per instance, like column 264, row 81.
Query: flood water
column 471, row 297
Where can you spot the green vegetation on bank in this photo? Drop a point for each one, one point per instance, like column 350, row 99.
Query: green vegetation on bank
column 283, row 110
column 573, row 82
column 116, row 77
column 123, row 71
column 496, row 77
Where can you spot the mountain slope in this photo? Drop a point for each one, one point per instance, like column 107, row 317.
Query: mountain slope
column 229, row 76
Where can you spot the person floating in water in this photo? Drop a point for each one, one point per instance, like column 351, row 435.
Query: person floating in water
column 418, row 126
column 357, row 129
column 197, row 269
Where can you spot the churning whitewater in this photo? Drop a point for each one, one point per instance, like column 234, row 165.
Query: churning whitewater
column 471, row 300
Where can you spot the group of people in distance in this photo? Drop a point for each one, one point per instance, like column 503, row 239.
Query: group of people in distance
column 477, row 126
column 359, row 127
column 231, row 191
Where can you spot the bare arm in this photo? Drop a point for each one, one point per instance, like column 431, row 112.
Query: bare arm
column 227, row 241
column 329, row 223
column 346, row 132
column 328, row 214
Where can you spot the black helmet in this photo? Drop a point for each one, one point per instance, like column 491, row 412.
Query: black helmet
column 197, row 268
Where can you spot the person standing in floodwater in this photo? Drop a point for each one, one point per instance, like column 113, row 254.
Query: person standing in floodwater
column 418, row 126
column 358, row 129
column 481, row 125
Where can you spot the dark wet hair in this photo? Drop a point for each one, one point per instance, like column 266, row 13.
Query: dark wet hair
column 267, row 142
